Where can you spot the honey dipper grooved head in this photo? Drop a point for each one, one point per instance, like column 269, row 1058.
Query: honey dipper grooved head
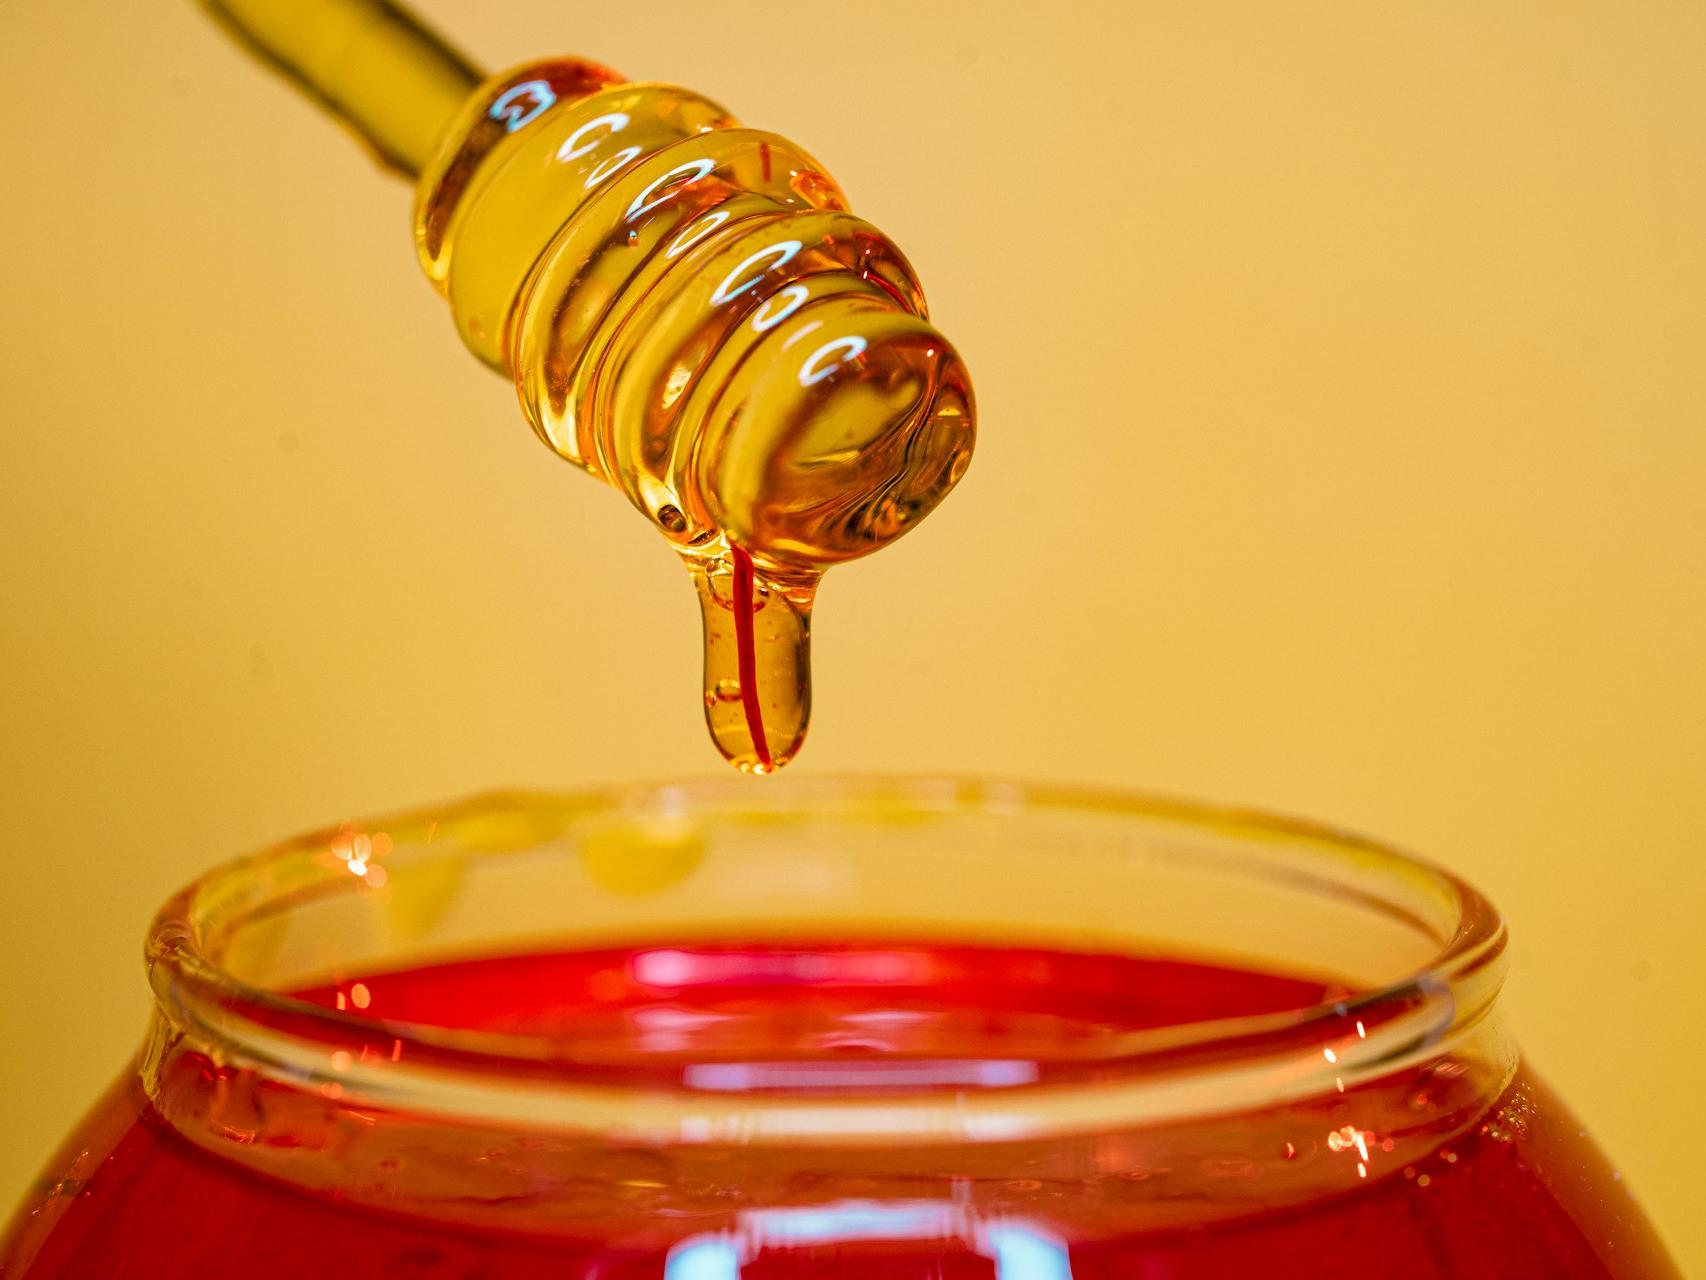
column 690, row 312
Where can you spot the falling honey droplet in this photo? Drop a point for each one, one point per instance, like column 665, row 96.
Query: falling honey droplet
column 757, row 686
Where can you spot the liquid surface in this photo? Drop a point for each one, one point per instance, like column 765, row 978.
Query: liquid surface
column 1484, row 1187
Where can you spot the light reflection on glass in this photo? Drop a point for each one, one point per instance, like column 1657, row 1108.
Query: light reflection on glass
column 1020, row 1250
column 511, row 109
column 696, row 231
column 764, row 319
column 733, row 286
column 1349, row 1137
column 606, row 168
column 648, row 200
column 802, row 332
column 704, row 1258
column 672, row 967
column 578, row 143
column 851, row 1220
column 742, row 1077
column 814, row 371
column 1024, row 1252
column 358, row 850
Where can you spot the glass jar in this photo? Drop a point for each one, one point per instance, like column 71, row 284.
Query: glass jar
column 899, row 1029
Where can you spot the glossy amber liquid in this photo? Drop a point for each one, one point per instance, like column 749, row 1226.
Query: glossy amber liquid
column 691, row 312
column 1507, row 1188
column 688, row 308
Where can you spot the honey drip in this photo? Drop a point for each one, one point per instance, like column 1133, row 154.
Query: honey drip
column 757, row 659
column 690, row 312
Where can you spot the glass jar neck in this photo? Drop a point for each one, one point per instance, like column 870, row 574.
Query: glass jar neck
column 1408, row 1052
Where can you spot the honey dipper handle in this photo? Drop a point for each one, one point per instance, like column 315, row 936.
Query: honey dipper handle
column 392, row 81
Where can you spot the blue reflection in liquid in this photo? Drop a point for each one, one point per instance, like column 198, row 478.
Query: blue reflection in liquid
column 1020, row 1250
column 515, row 114
column 648, row 199
column 580, row 142
column 1027, row 1253
column 815, row 370
column 733, row 285
column 703, row 1258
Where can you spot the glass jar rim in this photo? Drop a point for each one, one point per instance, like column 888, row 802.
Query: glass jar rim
column 1147, row 1076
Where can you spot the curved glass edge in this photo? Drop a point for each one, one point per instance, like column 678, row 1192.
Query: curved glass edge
column 1445, row 1010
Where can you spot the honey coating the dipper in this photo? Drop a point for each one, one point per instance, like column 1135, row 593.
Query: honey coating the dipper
column 690, row 312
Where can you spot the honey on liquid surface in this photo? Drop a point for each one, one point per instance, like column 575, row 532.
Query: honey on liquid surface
column 688, row 309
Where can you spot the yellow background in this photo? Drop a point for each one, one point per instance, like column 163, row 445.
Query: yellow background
column 1343, row 449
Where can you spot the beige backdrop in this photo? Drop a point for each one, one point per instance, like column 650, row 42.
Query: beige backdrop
column 1342, row 371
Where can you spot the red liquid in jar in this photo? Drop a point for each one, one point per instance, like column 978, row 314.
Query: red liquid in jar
column 1514, row 1191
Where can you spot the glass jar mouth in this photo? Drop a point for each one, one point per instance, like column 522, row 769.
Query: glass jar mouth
column 1419, row 952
